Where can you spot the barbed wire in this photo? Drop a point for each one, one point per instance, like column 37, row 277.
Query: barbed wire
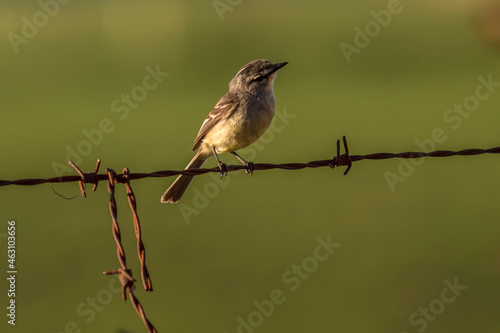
column 125, row 274
column 336, row 161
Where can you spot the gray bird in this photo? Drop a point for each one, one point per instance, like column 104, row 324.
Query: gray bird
column 240, row 117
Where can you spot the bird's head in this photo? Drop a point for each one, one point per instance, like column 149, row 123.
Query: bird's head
column 255, row 77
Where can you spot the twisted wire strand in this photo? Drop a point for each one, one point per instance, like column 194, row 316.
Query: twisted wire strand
column 141, row 250
column 125, row 274
column 120, row 252
column 258, row 166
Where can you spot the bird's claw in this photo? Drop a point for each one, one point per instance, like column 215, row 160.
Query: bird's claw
column 222, row 169
column 250, row 166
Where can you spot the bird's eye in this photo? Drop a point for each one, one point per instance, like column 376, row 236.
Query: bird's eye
column 259, row 78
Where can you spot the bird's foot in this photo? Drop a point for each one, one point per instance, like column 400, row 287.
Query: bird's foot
column 222, row 169
column 250, row 167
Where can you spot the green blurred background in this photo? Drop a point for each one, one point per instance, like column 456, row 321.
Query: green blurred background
column 396, row 247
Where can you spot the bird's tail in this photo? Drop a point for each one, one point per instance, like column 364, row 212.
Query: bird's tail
column 179, row 186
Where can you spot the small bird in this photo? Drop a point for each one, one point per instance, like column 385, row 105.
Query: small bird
column 240, row 117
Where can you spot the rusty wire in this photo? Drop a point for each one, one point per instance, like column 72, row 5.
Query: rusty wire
column 141, row 251
column 125, row 274
column 90, row 177
column 111, row 177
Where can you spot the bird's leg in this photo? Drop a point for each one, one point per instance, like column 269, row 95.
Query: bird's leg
column 222, row 166
column 250, row 166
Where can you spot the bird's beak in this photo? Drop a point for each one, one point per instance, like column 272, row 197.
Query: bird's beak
column 278, row 66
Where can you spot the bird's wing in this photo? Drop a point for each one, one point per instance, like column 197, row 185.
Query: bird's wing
column 226, row 105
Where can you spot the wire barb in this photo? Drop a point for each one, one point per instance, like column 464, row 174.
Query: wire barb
column 90, row 177
column 126, row 280
column 342, row 160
